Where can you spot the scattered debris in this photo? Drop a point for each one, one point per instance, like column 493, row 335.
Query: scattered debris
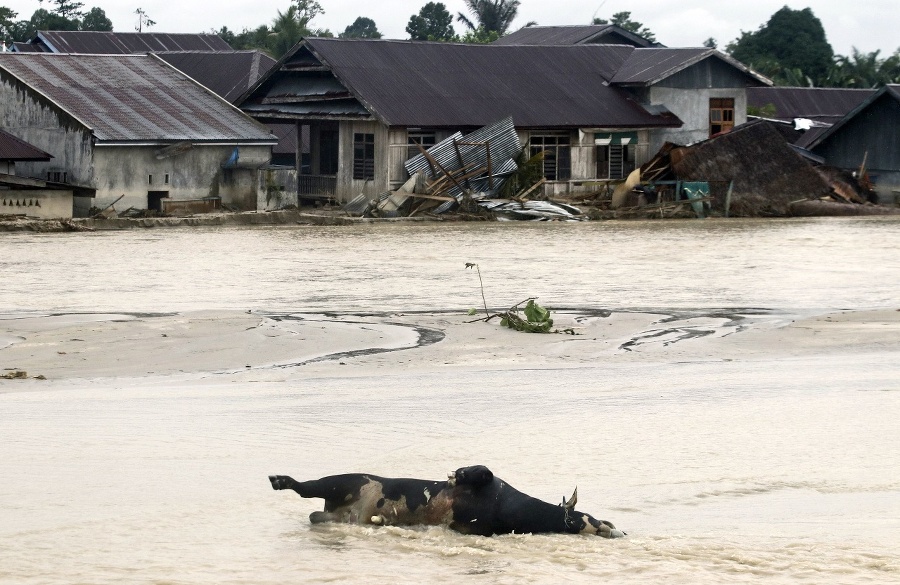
column 14, row 375
column 467, row 175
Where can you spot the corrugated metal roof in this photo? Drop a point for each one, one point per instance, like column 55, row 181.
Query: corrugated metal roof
column 21, row 47
column 406, row 83
column 814, row 103
column 572, row 35
column 12, row 148
column 648, row 65
column 892, row 91
column 116, row 43
column 228, row 73
column 132, row 98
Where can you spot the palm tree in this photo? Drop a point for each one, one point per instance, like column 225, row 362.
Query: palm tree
column 490, row 15
column 286, row 32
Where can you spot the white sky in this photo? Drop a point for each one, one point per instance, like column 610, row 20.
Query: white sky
column 868, row 25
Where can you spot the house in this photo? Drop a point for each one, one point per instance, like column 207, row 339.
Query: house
column 803, row 113
column 596, row 34
column 868, row 137
column 132, row 127
column 29, row 197
column 595, row 111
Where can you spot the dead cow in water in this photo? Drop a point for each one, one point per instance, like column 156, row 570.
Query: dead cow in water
column 471, row 501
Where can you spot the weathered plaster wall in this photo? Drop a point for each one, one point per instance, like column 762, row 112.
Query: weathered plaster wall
column 692, row 107
column 37, row 121
column 276, row 189
column 133, row 171
column 7, row 167
column 37, row 203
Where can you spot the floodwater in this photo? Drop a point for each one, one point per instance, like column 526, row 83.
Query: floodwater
column 780, row 468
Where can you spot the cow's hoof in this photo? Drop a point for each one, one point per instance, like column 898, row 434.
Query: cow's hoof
column 278, row 482
column 616, row 533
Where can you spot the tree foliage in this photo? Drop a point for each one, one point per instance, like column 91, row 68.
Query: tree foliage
column 623, row 19
column 362, row 28
column 68, row 9
column 95, row 19
column 493, row 16
column 7, row 23
column 864, row 70
column 791, row 40
column 433, row 23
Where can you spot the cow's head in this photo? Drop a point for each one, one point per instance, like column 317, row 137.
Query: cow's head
column 582, row 523
column 598, row 527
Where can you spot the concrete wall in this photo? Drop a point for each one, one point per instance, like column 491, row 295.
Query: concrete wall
column 37, row 203
column 276, row 189
column 196, row 173
column 692, row 107
column 36, row 120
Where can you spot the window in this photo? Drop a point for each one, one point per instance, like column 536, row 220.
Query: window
column 721, row 115
column 557, row 156
column 149, row 179
column 167, row 179
column 414, row 137
column 363, row 156
column 615, row 161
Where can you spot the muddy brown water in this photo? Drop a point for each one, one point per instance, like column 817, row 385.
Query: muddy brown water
column 780, row 468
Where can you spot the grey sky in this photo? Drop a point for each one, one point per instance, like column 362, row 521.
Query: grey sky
column 868, row 25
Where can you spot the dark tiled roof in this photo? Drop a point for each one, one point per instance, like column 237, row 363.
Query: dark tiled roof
column 115, row 43
column 11, row 148
column 819, row 104
column 228, row 73
column 573, row 35
column 406, row 83
column 131, row 98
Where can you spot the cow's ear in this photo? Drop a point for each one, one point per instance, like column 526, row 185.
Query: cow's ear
column 570, row 505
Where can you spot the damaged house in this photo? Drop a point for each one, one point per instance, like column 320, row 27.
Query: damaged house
column 134, row 129
column 596, row 111
column 868, row 139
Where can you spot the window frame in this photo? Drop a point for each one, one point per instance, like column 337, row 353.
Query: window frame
column 363, row 156
column 721, row 115
column 558, row 154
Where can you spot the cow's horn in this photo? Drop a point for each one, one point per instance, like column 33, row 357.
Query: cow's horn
column 572, row 501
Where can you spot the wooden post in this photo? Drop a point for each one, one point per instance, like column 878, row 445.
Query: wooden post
column 728, row 197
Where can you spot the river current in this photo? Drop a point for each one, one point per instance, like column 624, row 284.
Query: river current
column 783, row 468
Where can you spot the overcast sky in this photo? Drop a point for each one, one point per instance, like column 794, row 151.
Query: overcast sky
column 867, row 25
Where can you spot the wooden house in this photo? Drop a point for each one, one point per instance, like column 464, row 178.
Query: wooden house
column 596, row 111
column 868, row 137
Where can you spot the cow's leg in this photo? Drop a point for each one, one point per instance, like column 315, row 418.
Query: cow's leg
column 334, row 489
column 285, row 482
